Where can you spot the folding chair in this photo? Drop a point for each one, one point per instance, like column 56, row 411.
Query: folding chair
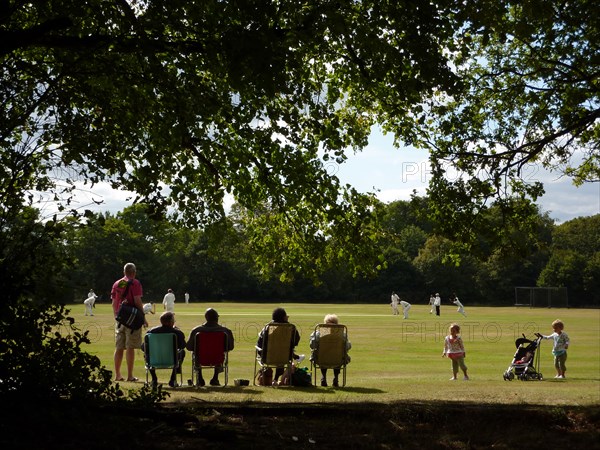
column 277, row 348
column 160, row 352
column 332, row 351
column 210, row 350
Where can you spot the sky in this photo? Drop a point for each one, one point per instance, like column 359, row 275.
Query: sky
column 394, row 173
column 397, row 172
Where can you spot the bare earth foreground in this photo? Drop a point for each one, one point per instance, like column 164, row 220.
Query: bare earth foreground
column 401, row 425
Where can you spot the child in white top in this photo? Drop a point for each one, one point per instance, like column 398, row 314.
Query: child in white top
column 559, row 349
column 455, row 350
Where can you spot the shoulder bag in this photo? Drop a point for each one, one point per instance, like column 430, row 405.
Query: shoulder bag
column 128, row 315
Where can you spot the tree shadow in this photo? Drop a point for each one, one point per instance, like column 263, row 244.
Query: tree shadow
column 332, row 390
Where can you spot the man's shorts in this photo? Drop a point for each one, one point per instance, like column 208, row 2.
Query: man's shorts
column 125, row 338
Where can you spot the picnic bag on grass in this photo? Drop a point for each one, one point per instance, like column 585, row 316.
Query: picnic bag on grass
column 301, row 377
column 129, row 315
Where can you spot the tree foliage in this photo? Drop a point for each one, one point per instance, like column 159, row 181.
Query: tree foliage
column 574, row 260
column 184, row 103
column 38, row 358
column 528, row 98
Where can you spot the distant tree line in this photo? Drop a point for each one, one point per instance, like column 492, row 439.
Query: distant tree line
column 217, row 263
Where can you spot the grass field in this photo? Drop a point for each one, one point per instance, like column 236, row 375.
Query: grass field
column 392, row 359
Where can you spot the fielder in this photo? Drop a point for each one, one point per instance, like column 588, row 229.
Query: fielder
column 461, row 308
column 89, row 304
column 169, row 301
column 405, row 308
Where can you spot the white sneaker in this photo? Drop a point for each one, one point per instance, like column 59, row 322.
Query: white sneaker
column 300, row 358
column 466, row 379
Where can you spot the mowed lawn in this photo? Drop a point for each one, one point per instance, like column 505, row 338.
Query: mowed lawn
column 392, row 359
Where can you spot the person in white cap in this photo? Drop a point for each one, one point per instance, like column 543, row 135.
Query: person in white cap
column 437, row 302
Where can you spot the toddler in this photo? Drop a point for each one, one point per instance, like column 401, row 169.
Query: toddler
column 455, row 350
column 559, row 349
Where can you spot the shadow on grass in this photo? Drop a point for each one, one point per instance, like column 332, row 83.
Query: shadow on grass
column 333, row 390
column 260, row 389
column 65, row 425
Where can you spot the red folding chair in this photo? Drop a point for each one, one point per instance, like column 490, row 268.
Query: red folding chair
column 210, row 350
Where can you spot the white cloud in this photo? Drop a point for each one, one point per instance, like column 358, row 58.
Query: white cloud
column 394, row 173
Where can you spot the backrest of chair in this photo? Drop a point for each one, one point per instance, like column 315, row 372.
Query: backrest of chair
column 332, row 345
column 161, row 350
column 278, row 339
column 210, row 348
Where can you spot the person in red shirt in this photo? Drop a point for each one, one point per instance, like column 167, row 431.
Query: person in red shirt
column 127, row 340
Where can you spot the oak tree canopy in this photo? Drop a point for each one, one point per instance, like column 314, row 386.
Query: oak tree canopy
column 183, row 102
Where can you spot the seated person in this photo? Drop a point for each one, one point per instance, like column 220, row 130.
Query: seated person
column 211, row 324
column 314, row 345
column 280, row 316
column 525, row 358
column 167, row 321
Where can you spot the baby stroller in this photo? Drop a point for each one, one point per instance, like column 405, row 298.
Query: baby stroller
column 526, row 362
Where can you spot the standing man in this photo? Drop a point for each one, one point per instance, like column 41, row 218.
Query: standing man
column 405, row 308
column 394, row 303
column 169, row 301
column 437, row 302
column 126, row 340
column 211, row 324
column 187, row 298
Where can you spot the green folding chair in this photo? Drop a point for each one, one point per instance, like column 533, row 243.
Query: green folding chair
column 160, row 352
